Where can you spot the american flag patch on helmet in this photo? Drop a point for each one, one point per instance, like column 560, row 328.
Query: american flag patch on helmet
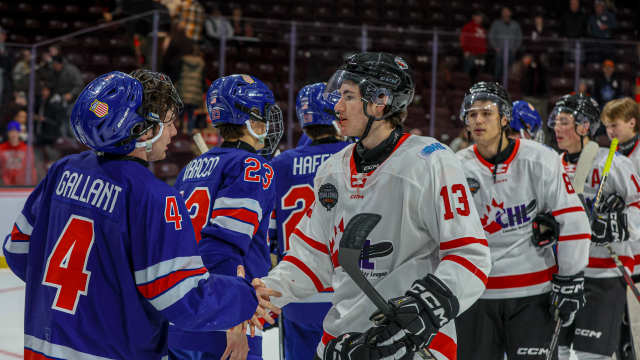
column 99, row 108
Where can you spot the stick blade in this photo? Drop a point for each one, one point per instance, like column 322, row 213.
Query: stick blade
column 357, row 230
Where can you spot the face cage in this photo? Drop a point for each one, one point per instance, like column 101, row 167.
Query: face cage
column 274, row 129
column 467, row 105
column 577, row 118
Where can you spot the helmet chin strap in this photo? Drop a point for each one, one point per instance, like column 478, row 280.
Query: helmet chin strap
column 148, row 144
column 260, row 138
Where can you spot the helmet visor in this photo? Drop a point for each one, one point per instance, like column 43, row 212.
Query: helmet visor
column 366, row 90
column 479, row 103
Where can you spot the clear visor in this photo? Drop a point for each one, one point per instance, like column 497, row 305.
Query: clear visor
column 374, row 94
column 474, row 105
column 561, row 116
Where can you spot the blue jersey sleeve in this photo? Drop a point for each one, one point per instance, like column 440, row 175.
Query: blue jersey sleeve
column 170, row 274
column 16, row 246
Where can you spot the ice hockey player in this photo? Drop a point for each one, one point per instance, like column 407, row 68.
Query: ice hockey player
column 229, row 195
column 296, row 169
column 428, row 255
column 596, row 330
column 526, row 121
column 105, row 248
column 517, row 183
column 620, row 118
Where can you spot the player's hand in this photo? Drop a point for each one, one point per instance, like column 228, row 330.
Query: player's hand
column 361, row 346
column 567, row 297
column 418, row 315
column 237, row 343
column 265, row 307
column 609, row 222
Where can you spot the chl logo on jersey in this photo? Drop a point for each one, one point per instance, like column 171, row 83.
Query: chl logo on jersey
column 374, row 251
column 499, row 217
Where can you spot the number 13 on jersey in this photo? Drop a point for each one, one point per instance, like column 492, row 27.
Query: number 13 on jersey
column 460, row 200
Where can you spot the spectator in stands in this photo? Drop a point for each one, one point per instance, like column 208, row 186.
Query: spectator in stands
column 21, row 71
column 191, row 84
column 6, row 66
column 67, row 82
column 473, row 41
column 49, row 116
column 20, row 117
column 14, row 154
column 216, row 25
column 607, row 85
column 504, row 31
column 538, row 46
column 240, row 26
column 45, row 68
column 534, row 82
column 190, row 19
column 574, row 21
column 600, row 26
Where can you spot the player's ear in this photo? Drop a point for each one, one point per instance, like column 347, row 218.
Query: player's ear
column 632, row 123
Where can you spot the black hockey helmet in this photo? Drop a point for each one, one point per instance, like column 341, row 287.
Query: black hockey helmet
column 583, row 108
column 383, row 79
column 487, row 91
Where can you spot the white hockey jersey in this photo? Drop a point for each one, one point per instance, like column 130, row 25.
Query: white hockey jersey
column 429, row 225
column 530, row 182
column 624, row 182
column 634, row 156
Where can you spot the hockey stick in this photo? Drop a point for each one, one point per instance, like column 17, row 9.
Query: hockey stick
column 596, row 203
column 200, row 144
column 354, row 237
column 554, row 338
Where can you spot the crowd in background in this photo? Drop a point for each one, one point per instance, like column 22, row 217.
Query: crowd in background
column 189, row 27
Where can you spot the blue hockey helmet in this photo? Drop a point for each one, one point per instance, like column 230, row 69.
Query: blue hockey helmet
column 105, row 114
column 236, row 99
column 526, row 120
column 314, row 108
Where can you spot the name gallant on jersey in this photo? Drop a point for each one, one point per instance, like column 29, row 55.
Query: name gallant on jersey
column 92, row 191
column 308, row 164
column 200, row 168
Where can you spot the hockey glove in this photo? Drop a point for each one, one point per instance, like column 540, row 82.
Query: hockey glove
column 567, row 297
column 545, row 230
column 360, row 346
column 418, row 315
column 609, row 223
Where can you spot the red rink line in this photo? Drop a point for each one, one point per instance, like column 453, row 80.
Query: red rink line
column 11, row 289
column 4, row 352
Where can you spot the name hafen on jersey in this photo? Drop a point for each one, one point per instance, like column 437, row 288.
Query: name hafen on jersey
column 443, row 237
column 623, row 181
column 529, row 182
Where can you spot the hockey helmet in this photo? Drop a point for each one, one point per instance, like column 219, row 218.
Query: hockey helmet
column 313, row 108
column 106, row 117
column 525, row 119
column 583, row 108
column 236, row 99
column 486, row 91
column 383, row 79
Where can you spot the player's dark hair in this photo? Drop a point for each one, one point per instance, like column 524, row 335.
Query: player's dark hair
column 316, row 131
column 231, row 131
column 160, row 95
column 398, row 119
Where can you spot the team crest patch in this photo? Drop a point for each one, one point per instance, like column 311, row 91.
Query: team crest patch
column 328, row 196
column 474, row 185
column 247, row 78
column 99, row 108
column 401, row 63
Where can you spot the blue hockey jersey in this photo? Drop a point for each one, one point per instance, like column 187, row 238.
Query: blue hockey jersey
column 109, row 258
column 229, row 196
column 296, row 169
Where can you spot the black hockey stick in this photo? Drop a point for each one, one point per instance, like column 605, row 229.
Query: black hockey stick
column 354, row 237
column 555, row 337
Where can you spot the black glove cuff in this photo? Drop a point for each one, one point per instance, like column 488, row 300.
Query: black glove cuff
column 437, row 297
column 568, row 284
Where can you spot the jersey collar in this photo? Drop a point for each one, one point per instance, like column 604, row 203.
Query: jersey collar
column 358, row 179
column 489, row 165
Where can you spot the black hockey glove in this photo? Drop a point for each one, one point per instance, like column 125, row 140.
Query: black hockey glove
column 361, row 346
column 418, row 315
column 608, row 222
column 545, row 230
column 567, row 297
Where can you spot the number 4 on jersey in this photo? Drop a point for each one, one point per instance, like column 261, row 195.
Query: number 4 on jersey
column 66, row 267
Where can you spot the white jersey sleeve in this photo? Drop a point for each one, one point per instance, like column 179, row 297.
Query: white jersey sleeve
column 449, row 211
column 564, row 204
